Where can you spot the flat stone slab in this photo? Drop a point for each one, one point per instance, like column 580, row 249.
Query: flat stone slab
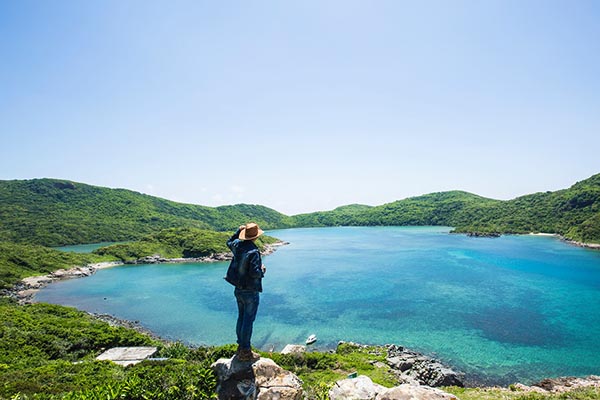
column 294, row 349
column 127, row 355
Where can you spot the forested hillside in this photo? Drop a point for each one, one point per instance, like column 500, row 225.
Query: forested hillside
column 573, row 213
column 57, row 212
column 444, row 208
column 54, row 212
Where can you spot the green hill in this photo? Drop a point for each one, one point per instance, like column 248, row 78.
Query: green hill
column 573, row 213
column 443, row 208
column 55, row 212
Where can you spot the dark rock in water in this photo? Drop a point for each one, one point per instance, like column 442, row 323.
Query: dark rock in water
column 411, row 367
column 483, row 234
column 261, row 379
column 414, row 368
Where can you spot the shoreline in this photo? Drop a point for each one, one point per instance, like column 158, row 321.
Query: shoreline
column 592, row 246
column 25, row 290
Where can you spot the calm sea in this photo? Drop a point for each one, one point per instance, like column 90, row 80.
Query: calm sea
column 515, row 308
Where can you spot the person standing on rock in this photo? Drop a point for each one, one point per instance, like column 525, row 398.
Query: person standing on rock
column 245, row 272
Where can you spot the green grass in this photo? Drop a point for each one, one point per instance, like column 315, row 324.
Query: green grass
column 47, row 352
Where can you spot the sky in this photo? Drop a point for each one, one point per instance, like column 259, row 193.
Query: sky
column 301, row 105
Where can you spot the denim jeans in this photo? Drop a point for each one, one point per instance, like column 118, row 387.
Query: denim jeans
column 247, row 301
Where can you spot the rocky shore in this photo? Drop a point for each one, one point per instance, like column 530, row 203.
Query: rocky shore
column 24, row 290
column 593, row 246
column 412, row 367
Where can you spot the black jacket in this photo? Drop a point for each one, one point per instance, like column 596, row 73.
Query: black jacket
column 245, row 270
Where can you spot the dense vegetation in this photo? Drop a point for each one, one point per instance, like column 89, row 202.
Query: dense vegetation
column 54, row 212
column 47, row 352
column 444, row 208
column 573, row 213
column 18, row 261
column 176, row 243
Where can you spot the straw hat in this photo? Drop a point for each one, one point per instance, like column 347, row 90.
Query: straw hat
column 250, row 231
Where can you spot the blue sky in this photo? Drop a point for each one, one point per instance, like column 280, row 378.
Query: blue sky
column 301, row 106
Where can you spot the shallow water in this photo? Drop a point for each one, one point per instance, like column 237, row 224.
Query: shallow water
column 85, row 248
column 515, row 308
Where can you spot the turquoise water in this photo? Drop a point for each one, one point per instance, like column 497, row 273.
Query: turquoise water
column 85, row 248
column 515, row 308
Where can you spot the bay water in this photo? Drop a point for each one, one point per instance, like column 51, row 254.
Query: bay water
column 501, row 310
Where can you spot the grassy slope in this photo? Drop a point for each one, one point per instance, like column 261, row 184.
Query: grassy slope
column 56, row 212
column 41, row 342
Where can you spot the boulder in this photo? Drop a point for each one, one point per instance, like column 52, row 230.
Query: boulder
column 363, row 388
column 414, row 392
column 262, row 379
column 359, row 388
column 294, row 349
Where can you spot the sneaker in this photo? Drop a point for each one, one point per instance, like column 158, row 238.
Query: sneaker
column 247, row 355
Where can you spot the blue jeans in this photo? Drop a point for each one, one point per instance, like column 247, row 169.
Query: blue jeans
column 247, row 301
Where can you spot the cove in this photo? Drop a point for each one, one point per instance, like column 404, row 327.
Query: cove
column 514, row 308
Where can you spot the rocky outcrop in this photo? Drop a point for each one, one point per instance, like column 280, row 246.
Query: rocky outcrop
column 363, row 388
column 412, row 367
column 262, row 379
column 484, row 234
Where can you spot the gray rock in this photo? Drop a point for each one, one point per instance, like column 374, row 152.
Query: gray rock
column 294, row 349
column 262, row 379
column 414, row 392
column 363, row 388
column 411, row 366
column 359, row 388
